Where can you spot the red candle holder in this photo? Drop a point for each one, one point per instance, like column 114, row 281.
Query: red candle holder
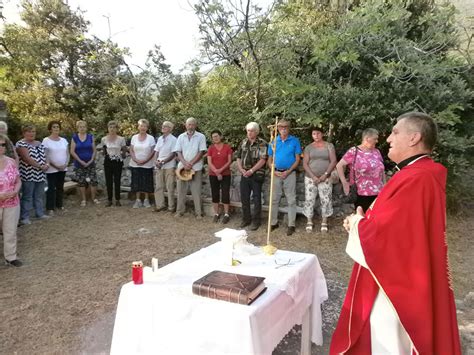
column 137, row 272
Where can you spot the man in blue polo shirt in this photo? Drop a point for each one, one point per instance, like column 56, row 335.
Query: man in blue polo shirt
column 287, row 159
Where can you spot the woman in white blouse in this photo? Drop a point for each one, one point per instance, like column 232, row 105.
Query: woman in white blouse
column 114, row 149
column 57, row 158
column 142, row 152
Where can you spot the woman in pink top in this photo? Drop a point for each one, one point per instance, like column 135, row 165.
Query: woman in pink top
column 10, row 185
column 369, row 170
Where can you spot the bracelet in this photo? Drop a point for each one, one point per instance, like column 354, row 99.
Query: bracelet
column 326, row 173
column 251, row 170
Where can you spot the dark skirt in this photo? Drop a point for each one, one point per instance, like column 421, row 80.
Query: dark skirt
column 142, row 180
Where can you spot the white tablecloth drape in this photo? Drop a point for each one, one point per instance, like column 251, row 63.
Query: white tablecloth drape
column 162, row 316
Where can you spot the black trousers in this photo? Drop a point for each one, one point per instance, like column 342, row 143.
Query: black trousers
column 113, row 176
column 252, row 185
column 364, row 202
column 55, row 193
column 220, row 185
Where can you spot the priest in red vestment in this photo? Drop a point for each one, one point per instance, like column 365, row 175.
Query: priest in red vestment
column 400, row 298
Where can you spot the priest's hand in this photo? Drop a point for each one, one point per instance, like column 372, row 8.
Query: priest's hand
column 348, row 221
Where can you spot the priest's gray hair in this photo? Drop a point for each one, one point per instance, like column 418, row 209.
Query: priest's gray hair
column 424, row 124
column 253, row 126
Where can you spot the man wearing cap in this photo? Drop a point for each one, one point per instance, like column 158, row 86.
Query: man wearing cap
column 190, row 147
column 165, row 165
column 251, row 158
column 287, row 159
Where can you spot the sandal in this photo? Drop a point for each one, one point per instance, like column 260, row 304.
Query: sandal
column 324, row 227
column 309, row 227
column 83, row 203
column 96, row 201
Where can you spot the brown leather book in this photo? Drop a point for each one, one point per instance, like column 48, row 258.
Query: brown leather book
column 229, row 287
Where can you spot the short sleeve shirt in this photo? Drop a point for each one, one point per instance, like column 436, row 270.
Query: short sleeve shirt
column 164, row 147
column 286, row 151
column 56, row 152
column 8, row 178
column 142, row 150
column 190, row 147
column 38, row 154
column 113, row 149
column 250, row 153
column 368, row 170
column 220, row 158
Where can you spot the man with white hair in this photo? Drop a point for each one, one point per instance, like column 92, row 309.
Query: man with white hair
column 190, row 147
column 165, row 165
column 251, row 158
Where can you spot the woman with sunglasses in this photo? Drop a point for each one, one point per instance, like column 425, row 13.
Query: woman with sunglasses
column 10, row 185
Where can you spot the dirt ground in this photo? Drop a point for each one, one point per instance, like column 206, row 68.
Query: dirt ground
column 64, row 298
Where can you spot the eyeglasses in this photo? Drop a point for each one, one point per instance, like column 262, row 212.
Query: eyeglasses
column 3, row 145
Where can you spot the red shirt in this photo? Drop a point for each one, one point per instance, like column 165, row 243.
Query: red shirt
column 219, row 158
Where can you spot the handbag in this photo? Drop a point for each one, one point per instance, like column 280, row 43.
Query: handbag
column 352, row 196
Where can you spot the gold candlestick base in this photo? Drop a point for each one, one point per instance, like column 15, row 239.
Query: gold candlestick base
column 269, row 249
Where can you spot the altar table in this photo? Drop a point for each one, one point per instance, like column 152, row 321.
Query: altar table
column 163, row 316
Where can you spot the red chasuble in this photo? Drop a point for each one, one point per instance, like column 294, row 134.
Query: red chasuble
column 404, row 244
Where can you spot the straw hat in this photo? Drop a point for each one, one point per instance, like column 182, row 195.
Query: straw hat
column 184, row 175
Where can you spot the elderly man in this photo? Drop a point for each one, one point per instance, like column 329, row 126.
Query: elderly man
column 400, row 298
column 165, row 164
column 251, row 158
column 287, row 158
column 190, row 147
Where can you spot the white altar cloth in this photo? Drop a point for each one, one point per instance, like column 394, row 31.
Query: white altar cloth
column 162, row 316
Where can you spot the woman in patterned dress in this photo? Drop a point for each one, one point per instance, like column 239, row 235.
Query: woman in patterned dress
column 369, row 170
column 83, row 151
column 32, row 172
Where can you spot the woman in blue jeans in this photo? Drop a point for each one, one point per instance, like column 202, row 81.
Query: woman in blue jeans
column 32, row 172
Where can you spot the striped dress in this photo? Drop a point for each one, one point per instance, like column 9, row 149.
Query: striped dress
column 37, row 153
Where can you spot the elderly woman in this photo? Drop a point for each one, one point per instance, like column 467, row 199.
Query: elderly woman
column 142, row 164
column 318, row 161
column 114, row 150
column 83, row 151
column 10, row 185
column 32, row 172
column 219, row 157
column 10, row 148
column 57, row 157
column 367, row 169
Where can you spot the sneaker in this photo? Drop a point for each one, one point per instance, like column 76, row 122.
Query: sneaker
column 44, row 217
column 198, row 217
column 51, row 213
column 137, row 204
column 274, row 226
column 225, row 219
column 96, row 201
column 215, row 219
column 179, row 214
column 25, row 222
column 309, row 227
column 146, row 203
column 15, row 263
column 118, row 204
column 159, row 209
column 290, row 230
column 83, row 203
column 108, row 204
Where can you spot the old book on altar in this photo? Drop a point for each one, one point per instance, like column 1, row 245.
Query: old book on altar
column 230, row 287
